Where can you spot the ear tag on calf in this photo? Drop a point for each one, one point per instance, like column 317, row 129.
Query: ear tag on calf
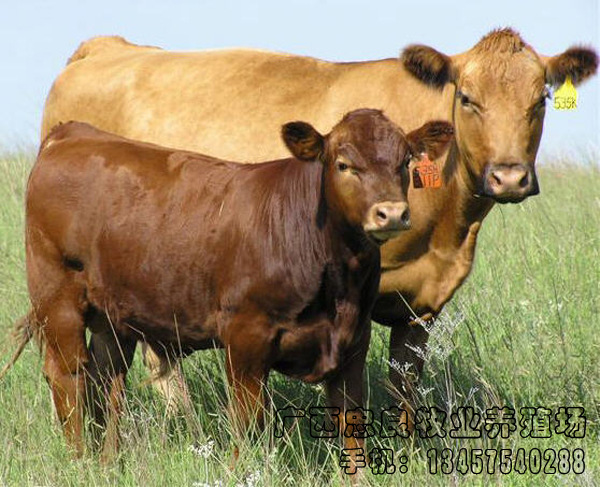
column 565, row 98
column 426, row 174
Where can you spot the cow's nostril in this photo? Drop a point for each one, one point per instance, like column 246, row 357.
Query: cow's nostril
column 382, row 215
column 524, row 181
column 496, row 178
column 405, row 218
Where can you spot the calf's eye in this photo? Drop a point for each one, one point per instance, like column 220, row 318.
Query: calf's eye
column 342, row 166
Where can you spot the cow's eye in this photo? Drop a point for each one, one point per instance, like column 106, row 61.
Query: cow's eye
column 342, row 166
column 465, row 101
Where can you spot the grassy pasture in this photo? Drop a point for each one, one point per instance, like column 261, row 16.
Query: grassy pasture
column 522, row 332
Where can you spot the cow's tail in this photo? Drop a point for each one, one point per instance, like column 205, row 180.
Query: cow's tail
column 99, row 44
column 22, row 334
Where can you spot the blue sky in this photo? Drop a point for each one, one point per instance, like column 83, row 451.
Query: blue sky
column 37, row 37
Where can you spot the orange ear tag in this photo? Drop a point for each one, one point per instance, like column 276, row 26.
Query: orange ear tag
column 426, row 174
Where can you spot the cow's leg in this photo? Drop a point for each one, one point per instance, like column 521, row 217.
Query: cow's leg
column 248, row 354
column 407, row 357
column 111, row 355
column 345, row 391
column 168, row 380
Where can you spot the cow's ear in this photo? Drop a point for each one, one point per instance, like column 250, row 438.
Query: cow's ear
column 303, row 141
column 577, row 62
column 432, row 138
column 428, row 65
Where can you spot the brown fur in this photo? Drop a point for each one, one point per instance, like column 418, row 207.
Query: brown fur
column 136, row 242
column 428, row 65
column 428, row 135
column 577, row 62
column 303, row 140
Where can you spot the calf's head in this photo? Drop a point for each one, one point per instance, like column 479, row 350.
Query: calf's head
column 501, row 87
column 365, row 159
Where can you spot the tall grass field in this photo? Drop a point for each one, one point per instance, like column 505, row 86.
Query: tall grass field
column 523, row 332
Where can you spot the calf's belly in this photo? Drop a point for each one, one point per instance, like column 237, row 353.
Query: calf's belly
column 172, row 336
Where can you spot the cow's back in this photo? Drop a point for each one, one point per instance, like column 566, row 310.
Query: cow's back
column 227, row 103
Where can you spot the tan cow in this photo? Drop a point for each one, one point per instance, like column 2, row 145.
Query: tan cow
column 222, row 102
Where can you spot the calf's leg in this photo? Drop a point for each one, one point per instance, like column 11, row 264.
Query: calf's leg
column 345, row 391
column 248, row 354
column 58, row 303
column 66, row 357
column 111, row 355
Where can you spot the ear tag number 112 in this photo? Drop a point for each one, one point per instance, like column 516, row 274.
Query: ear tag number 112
column 565, row 98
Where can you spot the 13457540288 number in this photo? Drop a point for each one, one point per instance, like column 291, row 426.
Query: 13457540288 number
column 505, row 461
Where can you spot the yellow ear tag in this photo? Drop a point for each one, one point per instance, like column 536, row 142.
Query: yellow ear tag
column 426, row 174
column 565, row 98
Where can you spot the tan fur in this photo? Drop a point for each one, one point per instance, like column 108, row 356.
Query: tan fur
column 100, row 43
column 500, row 40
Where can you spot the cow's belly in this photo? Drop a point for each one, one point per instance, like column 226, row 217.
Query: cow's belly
column 391, row 310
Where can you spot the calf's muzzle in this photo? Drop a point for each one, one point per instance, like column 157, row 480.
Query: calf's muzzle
column 386, row 220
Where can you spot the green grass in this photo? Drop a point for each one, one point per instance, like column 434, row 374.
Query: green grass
column 523, row 331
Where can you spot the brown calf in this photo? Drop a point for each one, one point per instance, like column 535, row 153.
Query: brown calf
column 278, row 262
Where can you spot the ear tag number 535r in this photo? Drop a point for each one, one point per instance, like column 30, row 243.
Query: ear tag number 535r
column 565, row 98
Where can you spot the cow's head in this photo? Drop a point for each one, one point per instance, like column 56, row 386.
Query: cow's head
column 366, row 160
column 499, row 105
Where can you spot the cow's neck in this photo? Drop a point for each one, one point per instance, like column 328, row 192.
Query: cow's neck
column 348, row 241
column 428, row 263
column 461, row 194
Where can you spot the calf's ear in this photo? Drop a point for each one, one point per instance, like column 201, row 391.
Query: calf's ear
column 303, row 141
column 432, row 138
column 577, row 62
column 428, row 65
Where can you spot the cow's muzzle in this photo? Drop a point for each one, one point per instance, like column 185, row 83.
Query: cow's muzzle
column 386, row 220
column 510, row 183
